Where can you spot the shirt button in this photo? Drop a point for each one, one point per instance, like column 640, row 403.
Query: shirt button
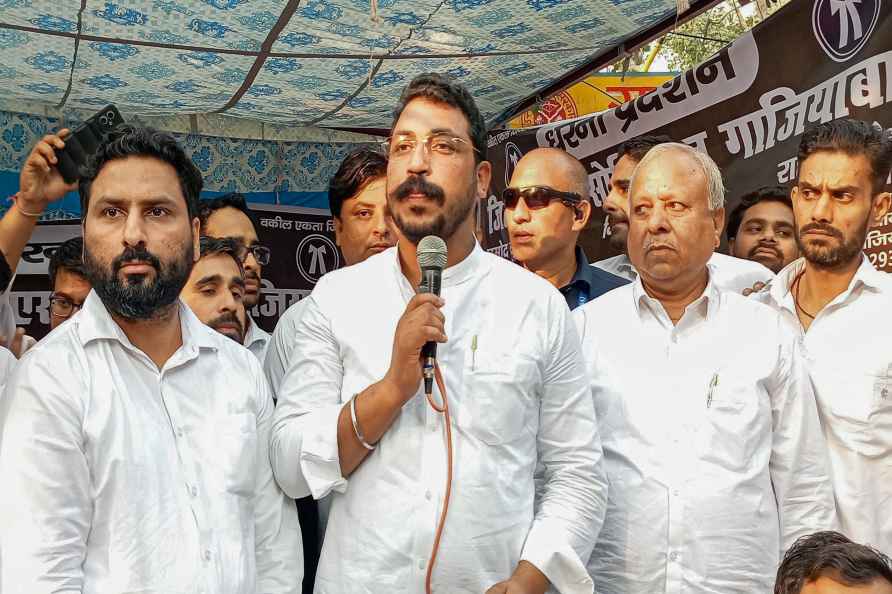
column 207, row 555
column 675, row 492
column 422, row 563
column 179, row 431
column 193, row 490
column 673, row 556
column 428, row 495
column 433, row 428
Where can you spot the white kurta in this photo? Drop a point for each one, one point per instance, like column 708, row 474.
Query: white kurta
column 120, row 477
column 714, row 455
column 848, row 357
column 256, row 340
column 517, row 393
column 281, row 345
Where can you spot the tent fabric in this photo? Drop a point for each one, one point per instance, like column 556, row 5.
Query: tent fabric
column 296, row 63
column 289, row 173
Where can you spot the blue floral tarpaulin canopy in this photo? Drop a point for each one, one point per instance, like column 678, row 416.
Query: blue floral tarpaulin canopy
column 297, row 63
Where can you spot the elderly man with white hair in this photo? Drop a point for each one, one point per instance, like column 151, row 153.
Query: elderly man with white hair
column 712, row 444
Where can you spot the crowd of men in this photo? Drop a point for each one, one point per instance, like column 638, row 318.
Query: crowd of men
column 671, row 419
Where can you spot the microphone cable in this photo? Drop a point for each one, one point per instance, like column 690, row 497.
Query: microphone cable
column 444, row 410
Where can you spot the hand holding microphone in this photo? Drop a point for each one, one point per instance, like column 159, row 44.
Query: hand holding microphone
column 422, row 325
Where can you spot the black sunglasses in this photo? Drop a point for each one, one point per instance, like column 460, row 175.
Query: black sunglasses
column 536, row 197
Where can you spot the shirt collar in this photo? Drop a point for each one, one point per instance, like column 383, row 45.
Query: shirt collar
column 584, row 274
column 254, row 334
column 710, row 299
column 865, row 275
column 456, row 274
column 96, row 323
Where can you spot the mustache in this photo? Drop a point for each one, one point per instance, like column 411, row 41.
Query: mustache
column 764, row 246
column 651, row 245
column 415, row 184
column 138, row 254
column 826, row 228
column 227, row 318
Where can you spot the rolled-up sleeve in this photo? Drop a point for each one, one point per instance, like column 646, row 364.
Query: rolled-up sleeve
column 799, row 465
column 278, row 545
column 304, row 444
column 574, row 494
column 45, row 503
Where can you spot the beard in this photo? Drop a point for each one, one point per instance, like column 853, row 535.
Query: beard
column 618, row 238
column 824, row 256
column 139, row 297
column 444, row 224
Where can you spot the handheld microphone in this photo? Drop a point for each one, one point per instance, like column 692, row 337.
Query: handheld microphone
column 431, row 254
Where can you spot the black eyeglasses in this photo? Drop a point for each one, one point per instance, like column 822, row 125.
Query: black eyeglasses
column 261, row 253
column 536, row 197
column 63, row 307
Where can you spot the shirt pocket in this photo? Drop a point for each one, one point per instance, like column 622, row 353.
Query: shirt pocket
column 498, row 398
column 857, row 408
column 237, row 439
column 734, row 423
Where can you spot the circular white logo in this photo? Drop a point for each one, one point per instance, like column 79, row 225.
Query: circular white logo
column 316, row 254
column 842, row 27
column 513, row 154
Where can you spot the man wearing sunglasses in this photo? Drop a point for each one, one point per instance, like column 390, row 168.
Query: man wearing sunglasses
column 229, row 216
column 547, row 206
column 69, row 281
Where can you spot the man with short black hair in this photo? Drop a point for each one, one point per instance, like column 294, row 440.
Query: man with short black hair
column 838, row 306
column 734, row 274
column 547, row 205
column 353, row 420
column 134, row 450
column 215, row 289
column 358, row 204
column 229, row 216
column 761, row 228
column 68, row 280
column 829, row 563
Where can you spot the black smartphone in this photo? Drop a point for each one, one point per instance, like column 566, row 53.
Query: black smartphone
column 83, row 141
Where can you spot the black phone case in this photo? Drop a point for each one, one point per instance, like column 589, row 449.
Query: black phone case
column 84, row 140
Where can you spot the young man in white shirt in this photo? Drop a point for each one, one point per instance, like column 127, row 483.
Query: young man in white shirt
column 837, row 305
column 215, row 290
column 712, row 443
column 134, row 439
column 358, row 204
column 229, row 216
column 352, row 419
column 733, row 274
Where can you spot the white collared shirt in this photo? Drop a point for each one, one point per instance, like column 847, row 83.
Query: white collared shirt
column 516, row 390
column 256, row 340
column 729, row 273
column 706, row 485
column 847, row 354
column 118, row 477
column 7, row 364
column 281, row 345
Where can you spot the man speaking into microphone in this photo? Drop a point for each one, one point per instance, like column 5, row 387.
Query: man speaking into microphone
column 418, row 506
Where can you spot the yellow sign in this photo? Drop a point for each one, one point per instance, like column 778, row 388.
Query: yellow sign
column 596, row 93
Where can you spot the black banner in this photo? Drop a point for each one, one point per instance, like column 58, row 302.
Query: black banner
column 747, row 106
